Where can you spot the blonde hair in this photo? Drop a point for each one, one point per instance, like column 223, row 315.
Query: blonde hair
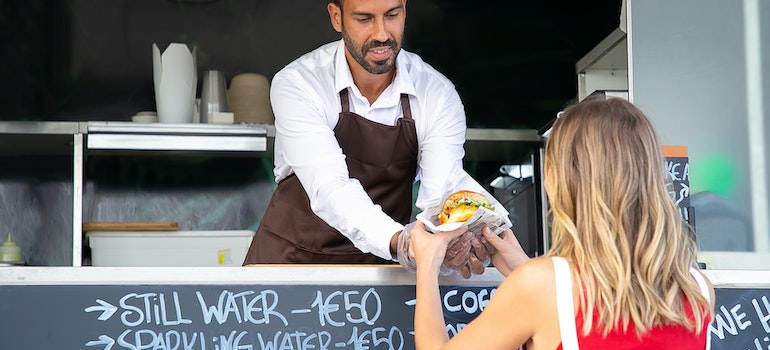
column 613, row 217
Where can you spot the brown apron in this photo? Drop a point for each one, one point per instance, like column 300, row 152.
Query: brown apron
column 381, row 157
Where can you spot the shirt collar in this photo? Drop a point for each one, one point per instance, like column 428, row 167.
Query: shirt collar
column 402, row 83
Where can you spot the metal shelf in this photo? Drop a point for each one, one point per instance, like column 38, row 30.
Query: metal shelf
column 605, row 67
column 37, row 138
column 610, row 53
column 176, row 137
column 501, row 145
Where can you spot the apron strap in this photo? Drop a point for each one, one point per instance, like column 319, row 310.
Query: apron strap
column 405, row 108
column 345, row 101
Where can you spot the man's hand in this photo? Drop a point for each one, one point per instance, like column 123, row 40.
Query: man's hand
column 480, row 251
column 481, row 248
column 459, row 251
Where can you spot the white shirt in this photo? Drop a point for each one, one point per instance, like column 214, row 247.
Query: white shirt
column 306, row 104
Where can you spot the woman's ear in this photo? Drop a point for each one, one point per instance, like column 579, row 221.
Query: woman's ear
column 335, row 16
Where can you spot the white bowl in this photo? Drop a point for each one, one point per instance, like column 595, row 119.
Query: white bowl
column 144, row 118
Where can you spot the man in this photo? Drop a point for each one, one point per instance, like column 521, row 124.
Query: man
column 357, row 121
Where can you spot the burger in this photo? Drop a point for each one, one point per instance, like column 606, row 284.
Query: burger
column 461, row 205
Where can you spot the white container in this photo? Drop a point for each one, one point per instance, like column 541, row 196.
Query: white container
column 169, row 248
column 175, row 79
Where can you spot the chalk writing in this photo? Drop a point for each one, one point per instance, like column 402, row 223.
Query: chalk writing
column 453, row 329
column 353, row 305
column 744, row 322
column 295, row 340
column 243, row 306
column 469, row 302
column 151, row 304
column 678, row 172
column 236, row 310
column 461, row 304
column 393, row 339
column 106, row 308
column 763, row 311
column 150, row 339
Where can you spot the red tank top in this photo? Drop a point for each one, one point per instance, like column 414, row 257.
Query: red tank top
column 672, row 337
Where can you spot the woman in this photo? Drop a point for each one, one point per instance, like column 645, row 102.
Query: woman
column 615, row 232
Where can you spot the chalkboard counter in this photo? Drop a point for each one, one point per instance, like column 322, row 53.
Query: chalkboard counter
column 280, row 307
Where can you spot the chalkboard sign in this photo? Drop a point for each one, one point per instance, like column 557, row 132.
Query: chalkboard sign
column 741, row 319
column 678, row 172
column 280, row 317
column 209, row 317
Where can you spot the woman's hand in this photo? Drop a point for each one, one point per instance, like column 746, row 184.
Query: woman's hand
column 508, row 255
column 429, row 249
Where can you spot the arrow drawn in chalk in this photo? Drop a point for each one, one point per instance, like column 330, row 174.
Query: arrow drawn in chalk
column 106, row 308
column 103, row 340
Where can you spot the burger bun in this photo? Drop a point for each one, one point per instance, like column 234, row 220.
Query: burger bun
column 461, row 206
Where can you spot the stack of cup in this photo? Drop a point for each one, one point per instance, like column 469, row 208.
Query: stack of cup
column 213, row 95
column 249, row 97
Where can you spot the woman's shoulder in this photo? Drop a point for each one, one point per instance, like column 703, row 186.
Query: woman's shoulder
column 536, row 267
column 530, row 293
column 534, row 276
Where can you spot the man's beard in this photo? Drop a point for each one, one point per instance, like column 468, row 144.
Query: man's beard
column 359, row 54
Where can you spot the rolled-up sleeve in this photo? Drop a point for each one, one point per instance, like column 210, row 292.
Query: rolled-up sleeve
column 441, row 145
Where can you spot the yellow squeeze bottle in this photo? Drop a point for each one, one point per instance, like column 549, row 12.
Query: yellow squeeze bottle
column 9, row 251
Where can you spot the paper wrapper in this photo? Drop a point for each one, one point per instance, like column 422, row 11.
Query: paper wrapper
column 176, row 81
column 483, row 216
column 496, row 220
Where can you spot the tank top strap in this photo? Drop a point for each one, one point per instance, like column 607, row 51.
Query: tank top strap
column 704, row 287
column 565, row 304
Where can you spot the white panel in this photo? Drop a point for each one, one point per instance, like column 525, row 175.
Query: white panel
column 694, row 71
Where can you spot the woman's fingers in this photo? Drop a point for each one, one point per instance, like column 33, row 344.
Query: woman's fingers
column 509, row 253
column 493, row 239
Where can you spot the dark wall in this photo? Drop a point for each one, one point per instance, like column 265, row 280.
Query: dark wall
column 513, row 62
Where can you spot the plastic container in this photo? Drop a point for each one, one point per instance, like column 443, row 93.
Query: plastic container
column 169, row 248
